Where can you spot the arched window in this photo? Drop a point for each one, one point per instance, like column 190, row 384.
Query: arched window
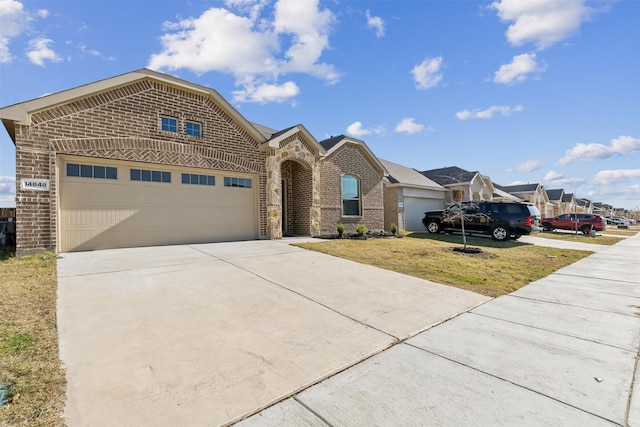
column 350, row 196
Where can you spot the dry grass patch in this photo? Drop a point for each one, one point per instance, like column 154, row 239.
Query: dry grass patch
column 580, row 238
column 631, row 231
column 29, row 360
column 501, row 268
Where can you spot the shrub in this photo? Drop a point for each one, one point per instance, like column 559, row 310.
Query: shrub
column 340, row 228
column 361, row 229
column 394, row 229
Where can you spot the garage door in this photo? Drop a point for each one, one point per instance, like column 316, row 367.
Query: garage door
column 414, row 209
column 121, row 204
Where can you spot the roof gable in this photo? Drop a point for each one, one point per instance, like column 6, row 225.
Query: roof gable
column 21, row 113
column 333, row 144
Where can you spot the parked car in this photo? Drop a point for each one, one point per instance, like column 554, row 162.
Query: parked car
column 501, row 220
column 575, row 221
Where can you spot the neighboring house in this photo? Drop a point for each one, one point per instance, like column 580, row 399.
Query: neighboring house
column 502, row 196
column 555, row 197
column 408, row 195
column 568, row 203
column 463, row 185
column 532, row 193
column 145, row 158
column 603, row 209
column 584, row 206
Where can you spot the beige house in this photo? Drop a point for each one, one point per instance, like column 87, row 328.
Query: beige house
column 462, row 185
column 568, row 204
column 532, row 193
column 555, row 198
column 145, row 158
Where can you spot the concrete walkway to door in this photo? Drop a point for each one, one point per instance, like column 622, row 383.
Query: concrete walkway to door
column 208, row 334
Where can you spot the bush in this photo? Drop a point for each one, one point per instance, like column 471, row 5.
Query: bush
column 394, row 229
column 361, row 229
column 340, row 228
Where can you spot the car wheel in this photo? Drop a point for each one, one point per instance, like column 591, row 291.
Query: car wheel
column 500, row 232
column 546, row 226
column 434, row 227
column 586, row 229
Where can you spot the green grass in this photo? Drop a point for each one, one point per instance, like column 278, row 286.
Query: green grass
column 501, row 267
column 29, row 360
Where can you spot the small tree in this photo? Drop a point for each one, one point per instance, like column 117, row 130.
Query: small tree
column 463, row 212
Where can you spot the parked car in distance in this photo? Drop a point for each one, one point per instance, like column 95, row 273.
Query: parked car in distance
column 501, row 220
column 575, row 221
column 617, row 220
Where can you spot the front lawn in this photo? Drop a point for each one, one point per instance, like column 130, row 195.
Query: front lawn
column 570, row 236
column 501, row 268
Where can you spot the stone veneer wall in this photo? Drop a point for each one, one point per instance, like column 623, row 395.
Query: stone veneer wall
column 305, row 167
column 124, row 124
column 349, row 160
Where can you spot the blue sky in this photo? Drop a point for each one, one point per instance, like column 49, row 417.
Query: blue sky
column 528, row 91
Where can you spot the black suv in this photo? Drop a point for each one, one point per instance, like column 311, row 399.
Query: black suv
column 501, row 220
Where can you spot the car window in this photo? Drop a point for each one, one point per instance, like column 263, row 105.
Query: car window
column 533, row 211
column 563, row 216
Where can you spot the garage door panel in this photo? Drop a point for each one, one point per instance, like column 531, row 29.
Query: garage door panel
column 100, row 214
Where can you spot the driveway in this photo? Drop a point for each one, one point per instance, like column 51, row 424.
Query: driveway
column 209, row 334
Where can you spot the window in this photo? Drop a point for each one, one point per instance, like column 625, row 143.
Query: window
column 193, row 129
column 169, row 124
column 91, row 171
column 237, row 182
column 194, row 178
column 350, row 196
column 150, row 175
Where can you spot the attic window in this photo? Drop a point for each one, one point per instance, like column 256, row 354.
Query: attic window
column 169, row 124
column 194, row 129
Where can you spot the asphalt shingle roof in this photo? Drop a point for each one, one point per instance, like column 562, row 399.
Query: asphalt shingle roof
column 449, row 175
column 399, row 174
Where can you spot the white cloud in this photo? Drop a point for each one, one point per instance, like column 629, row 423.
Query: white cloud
column 607, row 177
column 427, row 73
column 581, row 152
column 266, row 93
column 518, row 69
column 43, row 13
column 7, row 191
column 542, row 22
column 356, row 129
column 253, row 49
column 556, row 179
column 39, row 52
column 529, row 166
column 489, row 112
column 408, row 125
column 14, row 20
column 376, row 23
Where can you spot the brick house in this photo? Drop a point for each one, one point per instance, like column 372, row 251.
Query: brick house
column 145, row 158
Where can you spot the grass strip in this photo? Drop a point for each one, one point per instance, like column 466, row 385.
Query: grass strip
column 29, row 360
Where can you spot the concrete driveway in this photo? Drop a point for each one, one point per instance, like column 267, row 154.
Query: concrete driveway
column 209, row 334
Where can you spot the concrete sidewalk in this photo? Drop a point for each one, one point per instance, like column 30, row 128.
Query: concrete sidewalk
column 208, row 334
column 560, row 351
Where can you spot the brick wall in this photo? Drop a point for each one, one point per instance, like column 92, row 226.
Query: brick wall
column 349, row 160
column 124, row 124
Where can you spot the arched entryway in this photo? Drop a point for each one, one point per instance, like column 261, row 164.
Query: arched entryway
column 297, row 198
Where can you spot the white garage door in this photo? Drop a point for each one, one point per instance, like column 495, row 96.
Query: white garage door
column 122, row 204
column 414, row 209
